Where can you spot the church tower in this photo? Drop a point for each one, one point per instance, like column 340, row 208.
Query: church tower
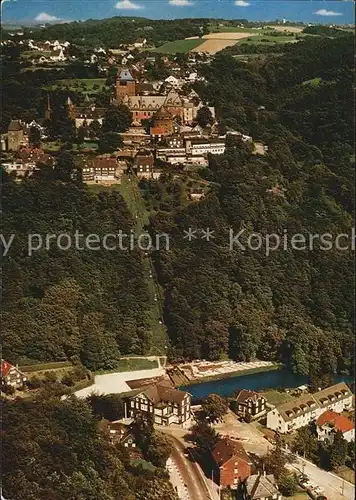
column 125, row 84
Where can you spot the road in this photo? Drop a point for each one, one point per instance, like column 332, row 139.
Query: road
column 190, row 472
column 177, row 481
column 334, row 487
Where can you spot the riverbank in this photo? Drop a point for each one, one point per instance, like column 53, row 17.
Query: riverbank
column 234, row 374
column 260, row 381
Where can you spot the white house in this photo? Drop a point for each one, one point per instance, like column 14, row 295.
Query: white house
column 330, row 422
column 175, row 82
column 307, row 408
column 166, row 405
column 200, row 146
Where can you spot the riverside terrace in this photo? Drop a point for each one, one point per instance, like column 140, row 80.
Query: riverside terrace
column 197, row 371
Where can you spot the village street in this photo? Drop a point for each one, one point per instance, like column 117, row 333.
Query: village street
column 333, row 486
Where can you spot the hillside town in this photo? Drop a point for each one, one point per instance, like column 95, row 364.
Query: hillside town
column 170, row 126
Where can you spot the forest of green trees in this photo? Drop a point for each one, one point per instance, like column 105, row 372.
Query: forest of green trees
column 54, row 451
column 59, row 304
column 296, row 307
column 121, row 30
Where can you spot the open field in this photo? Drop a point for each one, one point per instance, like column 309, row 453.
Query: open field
column 314, row 82
column 179, row 46
column 231, row 29
column 230, row 35
column 46, row 366
column 130, row 364
column 290, row 29
column 214, row 46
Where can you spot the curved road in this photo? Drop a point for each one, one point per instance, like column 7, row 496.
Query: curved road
column 190, row 472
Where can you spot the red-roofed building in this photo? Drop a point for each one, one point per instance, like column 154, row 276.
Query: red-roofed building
column 35, row 155
column 10, row 375
column 158, row 132
column 232, row 462
column 330, row 422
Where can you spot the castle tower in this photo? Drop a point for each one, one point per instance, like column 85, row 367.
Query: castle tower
column 15, row 135
column 125, row 84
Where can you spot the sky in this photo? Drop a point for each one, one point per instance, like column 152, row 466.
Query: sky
column 311, row 11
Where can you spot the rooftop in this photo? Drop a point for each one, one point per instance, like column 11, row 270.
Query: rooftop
column 227, row 448
column 160, row 393
column 339, row 422
column 15, row 125
column 261, row 486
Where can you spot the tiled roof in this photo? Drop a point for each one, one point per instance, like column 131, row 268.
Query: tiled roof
column 337, row 391
column 259, row 486
column 339, row 422
column 5, row 367
column 160, row 393
column 226, row 448
column 142, row 159
column 297, row 407
column 15, row 125
column 162, row 113
column 244, row 395
column 309, row 402
column 157, row 131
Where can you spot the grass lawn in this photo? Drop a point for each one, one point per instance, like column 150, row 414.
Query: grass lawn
column 178, row 46
column 79, row 84
column 29, row 54
column 314, row 82
column 85, row 146
column 130, row 365
column 99, row 188
column 277, row 398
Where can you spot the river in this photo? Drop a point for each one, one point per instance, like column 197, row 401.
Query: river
column 255, row 381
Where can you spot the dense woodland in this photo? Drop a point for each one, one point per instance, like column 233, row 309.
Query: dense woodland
column 59, row 304
column 122, row 30
column 293, row 306
column 53, row 450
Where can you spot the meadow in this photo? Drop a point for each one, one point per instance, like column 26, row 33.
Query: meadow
column 177, row 46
